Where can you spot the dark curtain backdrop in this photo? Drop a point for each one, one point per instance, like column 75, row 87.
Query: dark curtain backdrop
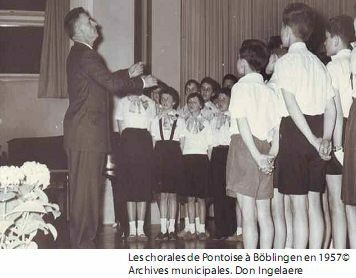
column 55, row 47
column 213, row 30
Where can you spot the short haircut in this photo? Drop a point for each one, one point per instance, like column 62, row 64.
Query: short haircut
column 200, row 98
column 300, row 18
column 214, row 84
column 275, row 42
column 256, row 54
column 173, row 93
column 192, row 81
column 230, row 76
column 225, row 91
column 71, row 18
column 160, row 86
column 342, row 26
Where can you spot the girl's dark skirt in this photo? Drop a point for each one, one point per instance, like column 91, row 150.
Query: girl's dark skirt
column 169, row 167
column 136, row 164
column 348, row 190
column 196, row 172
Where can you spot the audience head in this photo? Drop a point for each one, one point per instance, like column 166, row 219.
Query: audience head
column 253, row 57
column 155, row 91
column 208, row 88
column 298, row 23
column 339, row 34
column 277, row 50
column 169, row 98
column 195, row 102
column 229, row 80
column 191, row 86
column 223, row 99
column 80, row 26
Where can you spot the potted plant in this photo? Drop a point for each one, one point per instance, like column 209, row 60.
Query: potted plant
column 23, row 204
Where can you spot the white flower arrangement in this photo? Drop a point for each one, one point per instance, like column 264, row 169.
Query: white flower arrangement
column 23, row 203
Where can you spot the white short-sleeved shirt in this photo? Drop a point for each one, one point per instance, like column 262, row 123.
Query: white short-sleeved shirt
column 279, row 101
column 340, row 72
column 209, row 110
column 167, row 125
column 134, row 111
column 302, row 74
column 252, row 99
column 222, row 128
column 197, row 142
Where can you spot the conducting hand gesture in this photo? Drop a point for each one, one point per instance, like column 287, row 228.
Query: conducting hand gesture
column 136, row 70
column 149, row 81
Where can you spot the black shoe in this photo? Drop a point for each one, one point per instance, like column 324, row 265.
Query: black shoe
column 162, row 236
column 172, row 236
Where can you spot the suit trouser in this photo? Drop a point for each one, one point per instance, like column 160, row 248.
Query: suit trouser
column 85, row 185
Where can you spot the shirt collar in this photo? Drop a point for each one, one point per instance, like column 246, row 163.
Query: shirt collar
column 297, row 46
column 252, row 77
column 88, row 45
column 341, row 54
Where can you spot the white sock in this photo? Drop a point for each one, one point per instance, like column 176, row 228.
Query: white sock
column 239, row 231
column 192, row 228
column 132, row 225
column 186, row 224
column 163, row 225
column 140, row 227
column 172, row 223
column 197, row 223
column 201, row 228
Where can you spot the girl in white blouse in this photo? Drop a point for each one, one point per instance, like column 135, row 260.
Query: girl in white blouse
column 166, row 130
column 134, row 115
column 197, row 141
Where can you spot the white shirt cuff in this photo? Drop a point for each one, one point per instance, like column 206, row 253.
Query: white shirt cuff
column 144, row 83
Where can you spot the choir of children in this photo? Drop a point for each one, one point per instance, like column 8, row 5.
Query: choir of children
column 272, row 150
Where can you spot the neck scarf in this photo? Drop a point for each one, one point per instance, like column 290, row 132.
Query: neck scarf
column 195, row 124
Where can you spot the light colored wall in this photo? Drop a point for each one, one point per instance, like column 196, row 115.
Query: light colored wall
column 166, row 41
column 117, row 21
column 22, row 114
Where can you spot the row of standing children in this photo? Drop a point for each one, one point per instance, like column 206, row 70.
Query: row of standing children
column 166, row 151
column 287, row 147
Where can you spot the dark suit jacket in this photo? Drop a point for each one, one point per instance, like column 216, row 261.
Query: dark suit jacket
column 86, row 123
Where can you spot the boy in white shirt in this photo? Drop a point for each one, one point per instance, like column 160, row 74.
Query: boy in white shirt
column 306, row 127
column 250, row 157
column 339, row 35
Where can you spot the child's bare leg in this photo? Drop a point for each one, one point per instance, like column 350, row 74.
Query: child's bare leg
column 299, row 206
column 316, row 220
column 289, row 221
column 337, row 209
column 191, row 213
column 327, row 220
column 351, row 225
column 265, row 223
column 172, row 211
column 249, row 221
column 238, row 218
column 163, row 205
column 279, row 220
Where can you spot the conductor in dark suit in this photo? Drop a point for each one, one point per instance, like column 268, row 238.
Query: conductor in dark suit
column 86, row 123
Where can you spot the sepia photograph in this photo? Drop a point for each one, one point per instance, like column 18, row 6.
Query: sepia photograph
column 178, row 124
